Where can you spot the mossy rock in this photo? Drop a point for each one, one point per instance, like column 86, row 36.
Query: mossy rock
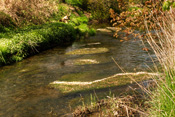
column 88, row 51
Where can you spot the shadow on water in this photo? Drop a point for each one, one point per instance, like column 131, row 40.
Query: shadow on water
column 24, row 85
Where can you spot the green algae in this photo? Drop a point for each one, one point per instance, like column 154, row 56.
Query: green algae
column 87, row 51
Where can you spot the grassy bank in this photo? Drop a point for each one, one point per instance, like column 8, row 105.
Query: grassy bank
column 18, row 44
column 18, row 41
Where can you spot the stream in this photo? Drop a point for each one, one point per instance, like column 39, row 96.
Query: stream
column 24, row 90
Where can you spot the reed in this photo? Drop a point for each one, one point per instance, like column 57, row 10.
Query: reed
column 163, row 43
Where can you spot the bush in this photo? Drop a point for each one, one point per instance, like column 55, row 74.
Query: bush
column 80, row 3
column 100, row 9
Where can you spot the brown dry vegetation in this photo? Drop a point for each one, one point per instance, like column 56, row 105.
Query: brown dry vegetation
column 22, row 11
column 164, row 97
column 135, row 17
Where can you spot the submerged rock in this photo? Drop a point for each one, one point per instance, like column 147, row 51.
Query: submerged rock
column 87, row 51
column 81, row 62
column 85, row 62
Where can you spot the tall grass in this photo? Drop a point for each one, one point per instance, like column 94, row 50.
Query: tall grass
column 164, row 48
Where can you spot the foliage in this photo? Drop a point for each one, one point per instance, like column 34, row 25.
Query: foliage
column 158, row 27
column 135, row 17
column 63, row 10
column 79, row 20
column 167, row 4
column 16, row 44
column 80, row 3
column 100, row 9
column 81, row 24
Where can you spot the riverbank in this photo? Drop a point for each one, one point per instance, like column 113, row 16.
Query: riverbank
column 19, row 43
column 133, row 103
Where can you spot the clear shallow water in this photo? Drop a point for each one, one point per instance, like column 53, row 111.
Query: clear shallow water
column 24, row 90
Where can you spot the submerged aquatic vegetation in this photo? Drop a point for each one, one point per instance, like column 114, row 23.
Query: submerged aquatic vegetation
column 112, row 81
column 85, row 62
column 87, row 51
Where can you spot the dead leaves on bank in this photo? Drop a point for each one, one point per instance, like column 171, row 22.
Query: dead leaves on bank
column 126, row 106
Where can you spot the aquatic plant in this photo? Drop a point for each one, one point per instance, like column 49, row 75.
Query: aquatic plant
column 87, row 51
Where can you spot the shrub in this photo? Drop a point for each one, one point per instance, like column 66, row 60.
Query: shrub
column 100, row 9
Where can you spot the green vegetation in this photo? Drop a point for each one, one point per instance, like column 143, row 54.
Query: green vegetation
column 163, row 103
column 158, row 28
column 21, row 39
column 167, row 4
column 14, row 46
column 30, row 26
column 99, row 9
column 149, row 18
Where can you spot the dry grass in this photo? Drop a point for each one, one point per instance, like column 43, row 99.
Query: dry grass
column 131, row 104
column 35, row 11
column 163, row 43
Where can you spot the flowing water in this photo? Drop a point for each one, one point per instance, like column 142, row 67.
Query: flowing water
column 24, row 90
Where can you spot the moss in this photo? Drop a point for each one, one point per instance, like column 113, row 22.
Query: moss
column 88, row 51
column 17, row 44
column 22, row 41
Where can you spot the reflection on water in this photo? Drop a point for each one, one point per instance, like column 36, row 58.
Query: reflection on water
column 23, row 86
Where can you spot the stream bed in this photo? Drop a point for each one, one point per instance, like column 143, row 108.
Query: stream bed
column 24, row 90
